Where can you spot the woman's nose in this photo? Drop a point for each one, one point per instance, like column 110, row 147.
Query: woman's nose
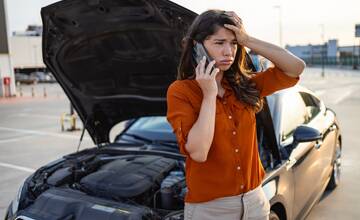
column 227, row 50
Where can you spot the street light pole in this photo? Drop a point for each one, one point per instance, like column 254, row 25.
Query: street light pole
column 359, row 53
column 322, row 50
column 357, row 34
column 35, row 58
column 280, row 23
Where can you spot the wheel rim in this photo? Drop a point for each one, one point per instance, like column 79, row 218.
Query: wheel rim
column 273, row 216
column 337, row 164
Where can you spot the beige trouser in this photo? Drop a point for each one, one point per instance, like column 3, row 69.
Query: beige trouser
column 252, row 205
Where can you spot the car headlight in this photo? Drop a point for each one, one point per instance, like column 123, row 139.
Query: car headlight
column 15, row 202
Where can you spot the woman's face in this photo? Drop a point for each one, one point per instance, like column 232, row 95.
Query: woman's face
column 222, row 47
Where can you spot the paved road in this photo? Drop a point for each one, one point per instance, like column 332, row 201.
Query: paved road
column 30, row 136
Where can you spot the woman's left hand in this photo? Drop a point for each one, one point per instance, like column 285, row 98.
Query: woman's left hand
column 241, row 36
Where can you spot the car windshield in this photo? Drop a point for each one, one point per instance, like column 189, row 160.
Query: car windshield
column 151, row 131
column 153, row 123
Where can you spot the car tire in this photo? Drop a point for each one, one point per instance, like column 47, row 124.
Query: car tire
column 273, row 216
column 335, row 174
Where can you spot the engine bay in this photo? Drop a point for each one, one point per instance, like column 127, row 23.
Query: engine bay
column 88, row 185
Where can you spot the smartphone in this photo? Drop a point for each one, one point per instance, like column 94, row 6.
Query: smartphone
column 199, row 52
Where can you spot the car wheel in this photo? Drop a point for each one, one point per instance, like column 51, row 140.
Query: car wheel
column 335, row 175
column 273, row 216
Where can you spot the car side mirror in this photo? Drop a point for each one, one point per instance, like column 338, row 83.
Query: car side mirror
column 305, row 133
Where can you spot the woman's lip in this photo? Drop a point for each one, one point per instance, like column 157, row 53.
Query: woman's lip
column 227, row 62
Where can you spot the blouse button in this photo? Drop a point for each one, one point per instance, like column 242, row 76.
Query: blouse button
column 236, row 150
column 224, row 102
column 230, row 117
column 238, row 168
column 234, row 132
column 242, row 186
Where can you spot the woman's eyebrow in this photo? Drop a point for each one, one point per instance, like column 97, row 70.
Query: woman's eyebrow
column 222, row 39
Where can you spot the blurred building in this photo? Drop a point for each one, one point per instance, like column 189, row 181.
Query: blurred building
column 329, row 53
column 21, row 52
column 26, row 50
column 31, row 30
column 7, row 82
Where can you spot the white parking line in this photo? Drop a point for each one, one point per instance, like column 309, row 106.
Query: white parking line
column 16, row 139
column 320, row 92
column 344, row 95
column 43, row 133
column 16, row 167
column 37, row 115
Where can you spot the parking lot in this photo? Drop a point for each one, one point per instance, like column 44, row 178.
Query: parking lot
column 31, row 136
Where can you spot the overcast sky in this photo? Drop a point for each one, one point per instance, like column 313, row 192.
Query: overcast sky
column 301, row 20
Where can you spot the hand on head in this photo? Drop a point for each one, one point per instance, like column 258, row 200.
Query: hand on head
column 241, row 36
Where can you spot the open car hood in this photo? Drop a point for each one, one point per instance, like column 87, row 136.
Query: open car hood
column 114, row 59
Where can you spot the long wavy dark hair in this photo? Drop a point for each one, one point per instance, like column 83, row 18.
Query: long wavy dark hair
column 238, row 75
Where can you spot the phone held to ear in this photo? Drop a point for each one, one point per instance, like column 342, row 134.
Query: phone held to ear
column 199, row 52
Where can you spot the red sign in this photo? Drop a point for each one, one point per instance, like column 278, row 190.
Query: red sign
column 6, row 81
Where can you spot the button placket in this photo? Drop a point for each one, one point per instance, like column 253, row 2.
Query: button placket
column 237, row 167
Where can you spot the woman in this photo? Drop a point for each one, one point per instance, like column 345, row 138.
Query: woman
column 212, row 112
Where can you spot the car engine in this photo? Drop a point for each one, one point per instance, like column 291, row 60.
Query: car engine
column 107, row 187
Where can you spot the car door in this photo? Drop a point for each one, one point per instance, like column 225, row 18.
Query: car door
column 303, row 160
column 323, row 120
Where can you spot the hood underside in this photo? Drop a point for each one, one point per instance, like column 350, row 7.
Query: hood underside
column 114, row 59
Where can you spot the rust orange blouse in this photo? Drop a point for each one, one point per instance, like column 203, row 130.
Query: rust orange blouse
column 233, row 165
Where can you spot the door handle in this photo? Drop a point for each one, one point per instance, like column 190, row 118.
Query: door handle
column 290, row 163
column 332, row 128
column 318, row 144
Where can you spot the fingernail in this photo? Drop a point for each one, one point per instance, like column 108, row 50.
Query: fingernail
column 204, row 58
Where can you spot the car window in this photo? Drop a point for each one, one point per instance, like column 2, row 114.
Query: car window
column 294, row 113
column 312, row 105
column 147, row 129
column 150, row 132
column 152, row 123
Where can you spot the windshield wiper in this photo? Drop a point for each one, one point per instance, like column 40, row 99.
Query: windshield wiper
column 168, row 143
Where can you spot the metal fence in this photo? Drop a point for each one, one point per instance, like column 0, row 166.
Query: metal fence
column 334, row 61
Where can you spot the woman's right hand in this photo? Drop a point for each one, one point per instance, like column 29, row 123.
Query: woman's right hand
column 206, row 78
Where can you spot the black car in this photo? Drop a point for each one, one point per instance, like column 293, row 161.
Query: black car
column 114, row 60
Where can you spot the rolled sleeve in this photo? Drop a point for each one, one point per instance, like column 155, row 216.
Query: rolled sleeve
column 272, row 80
column 180, row 114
